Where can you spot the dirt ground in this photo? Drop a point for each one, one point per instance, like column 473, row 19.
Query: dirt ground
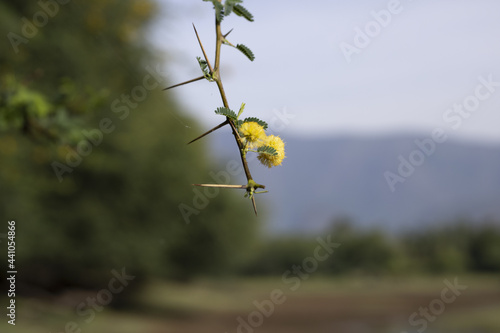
column 343, row 314
column 465, row 305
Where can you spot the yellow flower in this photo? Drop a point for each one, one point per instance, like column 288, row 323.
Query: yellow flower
column 252, row 133
column 273, row 160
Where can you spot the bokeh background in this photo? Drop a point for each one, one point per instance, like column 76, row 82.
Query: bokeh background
column 374, row 223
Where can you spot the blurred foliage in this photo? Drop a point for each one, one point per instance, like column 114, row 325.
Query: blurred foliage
column 118, row 206
column 117, row 202
column 277, row 255
column 460, row 246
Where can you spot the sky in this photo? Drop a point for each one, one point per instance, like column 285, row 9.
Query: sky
column 336, row 67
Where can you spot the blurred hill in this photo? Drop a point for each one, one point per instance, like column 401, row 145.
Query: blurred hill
column 322, row 179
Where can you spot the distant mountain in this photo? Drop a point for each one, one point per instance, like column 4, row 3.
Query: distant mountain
column 393, row 182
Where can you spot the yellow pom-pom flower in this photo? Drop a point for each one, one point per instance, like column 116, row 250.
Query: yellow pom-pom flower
column 252, row 134
column 273, row 160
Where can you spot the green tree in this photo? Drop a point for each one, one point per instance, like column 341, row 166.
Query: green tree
column 441, row 249
column 89, row 77
column 485, row 248
column 362, row 251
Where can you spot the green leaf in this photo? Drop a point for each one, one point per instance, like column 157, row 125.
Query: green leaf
column 203, row 65
column 246, row 51
column 219, row 9
column 267, row 150
column 229, row 5
column 204, row 68
column 257, row 120
column 242, row 11
column 226, row 112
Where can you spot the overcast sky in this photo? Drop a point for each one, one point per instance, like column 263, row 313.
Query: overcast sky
column 403, row 73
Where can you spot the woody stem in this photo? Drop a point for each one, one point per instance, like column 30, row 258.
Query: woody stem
column 218, row 80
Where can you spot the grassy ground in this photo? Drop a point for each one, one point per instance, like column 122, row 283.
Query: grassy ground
column 358, row 305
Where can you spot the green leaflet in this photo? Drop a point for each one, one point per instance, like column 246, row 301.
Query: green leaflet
column 246, row 51
column 226, row 112
column 242, row 11
column 257, row 120
column 267, row 150
column 242, row 108
column 204, row 68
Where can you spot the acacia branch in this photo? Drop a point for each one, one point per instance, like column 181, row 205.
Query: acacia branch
column 217, row 77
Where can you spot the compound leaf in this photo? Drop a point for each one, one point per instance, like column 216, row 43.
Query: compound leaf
column 219, row 9
column 246, row 51
column 257, row 120
column 242, row 11
column 267, row 150
column 204, row 68
column 226, row 112
column 229, row 5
